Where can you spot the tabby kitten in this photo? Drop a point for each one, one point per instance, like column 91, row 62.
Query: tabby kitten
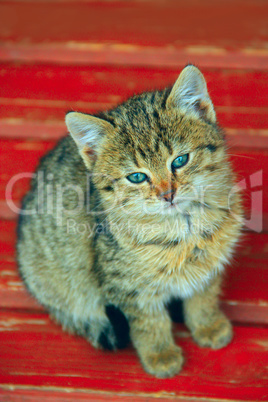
column 132, row 210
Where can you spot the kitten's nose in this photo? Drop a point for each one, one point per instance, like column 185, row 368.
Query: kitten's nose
column 168, row 195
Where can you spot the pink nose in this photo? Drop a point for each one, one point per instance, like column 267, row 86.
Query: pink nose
column 168, row 195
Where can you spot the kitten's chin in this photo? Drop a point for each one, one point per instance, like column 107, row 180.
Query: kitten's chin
column 169, row 209
column 176, row 208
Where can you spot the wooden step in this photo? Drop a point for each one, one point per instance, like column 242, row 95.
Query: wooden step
column 46, row 92
column 85, row 55
column 170, row 33
column 244, row 297
column 37, row 355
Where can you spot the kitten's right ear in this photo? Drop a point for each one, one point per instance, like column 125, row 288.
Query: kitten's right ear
column 87, row 131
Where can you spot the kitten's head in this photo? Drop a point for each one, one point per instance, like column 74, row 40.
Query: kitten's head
column 159, row 152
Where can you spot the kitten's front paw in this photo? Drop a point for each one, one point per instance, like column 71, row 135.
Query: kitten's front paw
column 164, row 364
column 216, row 336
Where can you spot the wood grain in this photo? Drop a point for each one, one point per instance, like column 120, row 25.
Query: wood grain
column 87, row 55
column 166, row 33
column 35, row 352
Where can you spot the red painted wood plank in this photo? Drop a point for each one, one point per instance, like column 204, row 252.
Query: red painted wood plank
column 132, row 55
column 49, row 130
column 33, row 394
column 35, row 352
column 230, row 25
column 244, row 297
column 13, row 293
column 136, row 33
column 110, row 84
column 7, row 240
column 47, row 92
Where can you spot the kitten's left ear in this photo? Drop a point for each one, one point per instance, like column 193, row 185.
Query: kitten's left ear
column 190, row 95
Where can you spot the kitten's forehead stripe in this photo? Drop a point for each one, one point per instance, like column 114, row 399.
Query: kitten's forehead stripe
column 166, row 93
column 156, row 116
column 142, row 153
column 146, row 114
column 156, row 144
column 167, row 145
column 211, row 147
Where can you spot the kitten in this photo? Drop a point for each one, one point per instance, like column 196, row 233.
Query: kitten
column 136, row 208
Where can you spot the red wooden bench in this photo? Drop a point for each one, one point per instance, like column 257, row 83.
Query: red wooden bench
column 89, row 55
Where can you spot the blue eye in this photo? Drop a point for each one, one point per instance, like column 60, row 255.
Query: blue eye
column 137, row 177
column 180, row 161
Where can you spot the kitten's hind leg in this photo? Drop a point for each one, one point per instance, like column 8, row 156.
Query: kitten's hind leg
column 208, row 325
column 108, row 329
column 120, row 326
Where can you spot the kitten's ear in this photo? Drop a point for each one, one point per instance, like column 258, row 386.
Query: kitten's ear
column 190, row 95
column 87, row 131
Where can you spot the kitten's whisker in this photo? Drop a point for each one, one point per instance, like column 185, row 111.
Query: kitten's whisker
column 243, row 156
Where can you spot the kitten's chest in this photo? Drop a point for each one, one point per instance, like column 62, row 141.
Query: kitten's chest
column 176, row 270
column 170, row 256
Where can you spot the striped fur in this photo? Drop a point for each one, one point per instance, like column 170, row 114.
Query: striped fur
column 134, row 246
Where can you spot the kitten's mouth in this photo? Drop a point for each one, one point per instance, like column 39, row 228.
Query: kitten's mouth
column 171, row 205
column 183, row 205
column 178, row 206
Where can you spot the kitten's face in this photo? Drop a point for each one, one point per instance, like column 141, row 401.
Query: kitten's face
column 159, row 153
column 168, row 164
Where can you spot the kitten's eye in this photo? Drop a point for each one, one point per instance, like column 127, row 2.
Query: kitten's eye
column 137, row 177
column 180, row 161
